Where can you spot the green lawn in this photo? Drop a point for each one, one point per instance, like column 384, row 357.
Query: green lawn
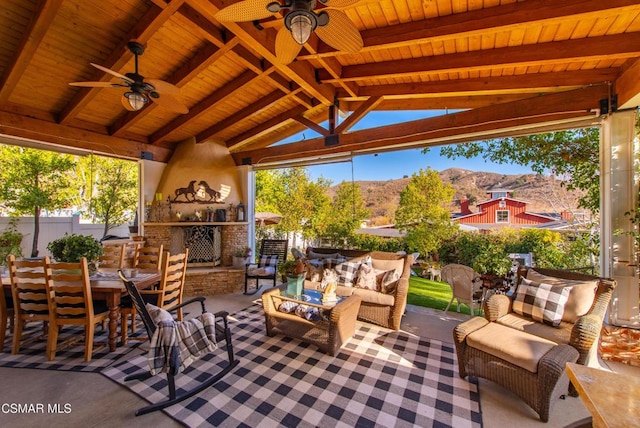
column 432, row 294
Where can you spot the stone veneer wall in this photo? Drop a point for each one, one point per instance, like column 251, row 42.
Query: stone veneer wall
column 219, row 280
column 214, row 280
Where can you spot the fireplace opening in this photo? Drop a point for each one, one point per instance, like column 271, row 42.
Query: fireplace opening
column 204, row 243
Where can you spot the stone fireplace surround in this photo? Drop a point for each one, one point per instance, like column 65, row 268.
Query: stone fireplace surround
column 208, row 280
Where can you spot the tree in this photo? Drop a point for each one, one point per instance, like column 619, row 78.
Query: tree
column 572, row 154
column 348, row 210
column 111, row 189
column 34, row 180
column 423, row 213
column 302, row 203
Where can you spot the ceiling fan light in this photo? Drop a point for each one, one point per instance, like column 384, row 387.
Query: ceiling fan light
column 136, row 100
column 301, row 24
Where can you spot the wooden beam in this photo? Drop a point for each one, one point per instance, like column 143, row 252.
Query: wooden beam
column 627, row 87
column 361, row 112
column 538, row 82
column 263, row 43
column 264, row 103
column 255, row 132
column 38, row 27
column 142, row 32
column 209, row 102
column 203, row 26
column 461, row 102
column 502, row 18
column 50, row 132
column 589, row 49
column 311, row 125
column 549, row 108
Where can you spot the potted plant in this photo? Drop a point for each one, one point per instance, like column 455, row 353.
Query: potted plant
column 241, row 257
column 70, row 248
column 292, row 272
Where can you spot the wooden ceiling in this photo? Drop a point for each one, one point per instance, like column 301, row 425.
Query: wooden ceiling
column 514, row 67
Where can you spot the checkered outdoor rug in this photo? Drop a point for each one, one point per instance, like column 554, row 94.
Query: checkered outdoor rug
column 380, row 378
column 33, row 355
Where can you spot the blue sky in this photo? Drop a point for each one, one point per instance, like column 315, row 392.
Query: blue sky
column 392, row 165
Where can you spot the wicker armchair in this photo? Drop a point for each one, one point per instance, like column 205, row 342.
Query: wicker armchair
column 529, row 358
column 584, row 334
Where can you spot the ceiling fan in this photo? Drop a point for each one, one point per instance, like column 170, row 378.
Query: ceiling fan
column 332, row 26
column 140, row 90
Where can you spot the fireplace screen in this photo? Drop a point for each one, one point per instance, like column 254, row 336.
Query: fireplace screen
column 204, row 243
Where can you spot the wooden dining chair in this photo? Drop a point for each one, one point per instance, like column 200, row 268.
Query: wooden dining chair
column 148, row 257
column 112, row 256
column 70, row 303
column 144, row 257
column 29, row 292
column 168, row 294
column 174, row 271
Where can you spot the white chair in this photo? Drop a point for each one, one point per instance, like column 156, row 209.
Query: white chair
column 466, row 285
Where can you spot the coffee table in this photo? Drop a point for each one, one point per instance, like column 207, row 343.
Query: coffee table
column 328, row 334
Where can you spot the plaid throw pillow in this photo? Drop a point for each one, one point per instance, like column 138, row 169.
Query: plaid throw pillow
column 268, row 261
column 542, row 302
column 347, row 272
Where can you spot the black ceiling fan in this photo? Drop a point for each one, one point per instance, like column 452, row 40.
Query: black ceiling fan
column 140, row 90
column 331, row 25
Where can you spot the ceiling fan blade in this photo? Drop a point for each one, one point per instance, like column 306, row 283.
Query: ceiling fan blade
column 125, row 103
column 163, row 87
column 340, row 3
column 97, row 84
column 170, row 103
column 286, row 47
column 113, row 73
column 247, row 10
column 340, row 33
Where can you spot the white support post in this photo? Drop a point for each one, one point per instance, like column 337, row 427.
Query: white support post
column 619, row 195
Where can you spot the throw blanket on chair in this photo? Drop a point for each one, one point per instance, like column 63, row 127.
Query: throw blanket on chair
column 177, row 344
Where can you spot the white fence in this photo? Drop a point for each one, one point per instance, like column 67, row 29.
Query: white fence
column 52, row 228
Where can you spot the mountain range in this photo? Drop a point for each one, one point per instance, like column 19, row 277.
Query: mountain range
column 544, row 194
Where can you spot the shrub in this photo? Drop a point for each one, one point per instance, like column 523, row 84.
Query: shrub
column 10, row 240
column 70, row 248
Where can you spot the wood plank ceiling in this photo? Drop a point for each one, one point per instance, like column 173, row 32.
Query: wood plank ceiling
column 512, row 67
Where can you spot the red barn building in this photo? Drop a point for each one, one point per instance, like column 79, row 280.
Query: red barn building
column 501, row 210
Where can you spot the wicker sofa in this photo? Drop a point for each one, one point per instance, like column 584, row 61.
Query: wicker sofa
column 528, row 357
column 385, row 309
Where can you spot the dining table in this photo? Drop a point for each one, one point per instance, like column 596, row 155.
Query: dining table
column 106, row 285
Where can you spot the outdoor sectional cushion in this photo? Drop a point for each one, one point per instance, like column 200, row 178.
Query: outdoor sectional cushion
column 580, row 298
column 371, row 296
column 523, row 350
column 560, row 334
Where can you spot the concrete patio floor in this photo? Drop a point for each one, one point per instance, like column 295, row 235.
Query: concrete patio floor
column 96, row 401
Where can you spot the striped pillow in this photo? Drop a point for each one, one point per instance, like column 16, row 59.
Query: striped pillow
column 542, row 302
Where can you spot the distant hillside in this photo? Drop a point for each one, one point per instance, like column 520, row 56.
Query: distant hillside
column 544, row 194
